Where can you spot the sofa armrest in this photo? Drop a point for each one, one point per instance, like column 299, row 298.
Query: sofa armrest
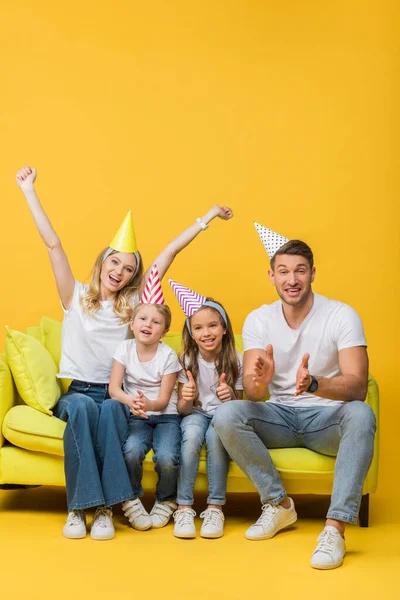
column 372, row 400
column 8, row 393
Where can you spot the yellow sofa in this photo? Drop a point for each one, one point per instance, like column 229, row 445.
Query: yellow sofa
column 31, row 442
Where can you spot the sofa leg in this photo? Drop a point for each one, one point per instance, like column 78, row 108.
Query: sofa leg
column 363, row 517
column 16, row 486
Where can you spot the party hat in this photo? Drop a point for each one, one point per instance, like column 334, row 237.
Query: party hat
column 272, row 241
column 152, row 293
column 189, row 300
column 124, row 240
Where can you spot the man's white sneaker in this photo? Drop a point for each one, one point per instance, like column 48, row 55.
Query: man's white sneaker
column 184, row 523
column 102, row 524
column 138, row 516
column 272, row 519
column 75, row 526
column 330, row 551
column 161, row 513
column 213, row 524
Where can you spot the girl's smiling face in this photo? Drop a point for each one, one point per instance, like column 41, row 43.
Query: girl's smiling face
column 148, row 326
column 116, row 272
column 207, row 331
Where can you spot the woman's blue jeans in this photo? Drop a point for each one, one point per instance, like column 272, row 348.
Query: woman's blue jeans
column 197, row 428
column 95, row 470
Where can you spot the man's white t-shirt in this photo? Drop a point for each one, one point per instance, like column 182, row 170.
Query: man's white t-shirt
column 207, row 383
column 89, row 341
column 146, row 376
column 329, row 327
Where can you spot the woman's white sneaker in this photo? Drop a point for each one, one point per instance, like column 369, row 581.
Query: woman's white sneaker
column 213, row 524
column 273, row 519
column 138, row 516
column 161, row 513
column 330, row 551
column 184, row 523
column 75, row 526
column 102, row 524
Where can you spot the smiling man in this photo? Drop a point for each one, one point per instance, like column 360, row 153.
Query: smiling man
column 310, row 353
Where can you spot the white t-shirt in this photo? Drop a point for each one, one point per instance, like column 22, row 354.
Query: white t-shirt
column 89, row 341
column 330, row 326
column 207, row 382
column 146, row 376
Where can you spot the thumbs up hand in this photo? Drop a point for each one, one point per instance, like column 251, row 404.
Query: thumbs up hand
column 224, row 391
column 303, row 377
column 189, row 390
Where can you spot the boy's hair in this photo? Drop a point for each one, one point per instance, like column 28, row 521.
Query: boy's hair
column 163, row 309
column 90, row 300
column 226, row 361
column 294, row 247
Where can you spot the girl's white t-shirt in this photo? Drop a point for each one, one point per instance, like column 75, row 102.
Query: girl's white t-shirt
column 146, row 376
column 89, row 341
column 207, row 383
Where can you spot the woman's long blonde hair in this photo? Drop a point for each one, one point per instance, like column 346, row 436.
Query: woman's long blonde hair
column 226, row 361
column 90, row 300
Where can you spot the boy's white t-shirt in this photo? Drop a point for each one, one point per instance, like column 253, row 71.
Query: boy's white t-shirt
column 146, row 376
column 208, row 381
column 89, row 341
column 329, row 327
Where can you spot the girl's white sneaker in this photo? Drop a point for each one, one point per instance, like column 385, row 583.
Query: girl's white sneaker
column 184, row 523
column 213, row 524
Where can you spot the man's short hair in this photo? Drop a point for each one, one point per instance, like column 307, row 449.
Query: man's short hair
column 294, row 247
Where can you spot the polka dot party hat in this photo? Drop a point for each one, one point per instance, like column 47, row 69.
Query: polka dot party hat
column 272, row 241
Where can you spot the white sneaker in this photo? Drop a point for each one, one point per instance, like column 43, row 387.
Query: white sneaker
column 330, row 551
column 75, row 526
column 184, row 523
column 272, row 519
column 213, row 524
column 102, row 524
column 161, row 513
column 138, row 516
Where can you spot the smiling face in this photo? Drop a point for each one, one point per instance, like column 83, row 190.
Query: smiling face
column 148, row 325
column 116, row 272
column 207, row 331
column 292, row 276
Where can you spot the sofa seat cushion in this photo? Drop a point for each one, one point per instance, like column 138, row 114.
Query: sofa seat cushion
column 31, row 429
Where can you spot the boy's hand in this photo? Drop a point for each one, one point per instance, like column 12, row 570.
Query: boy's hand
column 136, row 406
column 189, row 390
column 223, row 391
column 26, row 178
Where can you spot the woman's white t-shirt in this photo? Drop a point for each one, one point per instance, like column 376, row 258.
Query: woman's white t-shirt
column 89, row 341
column 207, row 383
column 146, row 376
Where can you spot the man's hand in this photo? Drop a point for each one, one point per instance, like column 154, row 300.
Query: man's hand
column 189, row 390
column 303, row 377
column 223, row 391
column 264, row 368
column 26, row 178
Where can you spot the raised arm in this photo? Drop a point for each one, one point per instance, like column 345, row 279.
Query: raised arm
column 62, row 272
column 164, row 260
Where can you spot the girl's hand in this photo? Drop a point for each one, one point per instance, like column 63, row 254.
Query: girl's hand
column 224, row 391
column 189, row 390
column 26, row 178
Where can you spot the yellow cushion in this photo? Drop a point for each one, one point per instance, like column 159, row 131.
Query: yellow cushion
column 174, row 340
column 51, row 331
column 28, row 428
column 33, row 370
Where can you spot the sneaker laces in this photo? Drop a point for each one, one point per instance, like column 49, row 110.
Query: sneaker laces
column 327, row 541
column 163, row 509
column 102, row 517
column 212, row 516
column 75, row 517
column 184, row 516
column 134, row 509
column 268, row 513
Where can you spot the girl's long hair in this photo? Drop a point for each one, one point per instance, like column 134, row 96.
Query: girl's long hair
column 226, row 361
column 90, row 300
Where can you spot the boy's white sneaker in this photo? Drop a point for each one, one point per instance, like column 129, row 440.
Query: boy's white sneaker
column 161, row 513
column 213, row 524
column 330, row 551
column 75, row 526
column 102, row 524
column 184, row 523
column 273, row 519
column 138, row 516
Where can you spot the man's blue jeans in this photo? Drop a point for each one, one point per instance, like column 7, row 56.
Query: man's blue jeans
column 346, row 431
column 95, row 470
column 197, row 428
column 163, row 434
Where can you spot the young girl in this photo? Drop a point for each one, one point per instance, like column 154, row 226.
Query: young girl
column 212, row 374
column 96, row 318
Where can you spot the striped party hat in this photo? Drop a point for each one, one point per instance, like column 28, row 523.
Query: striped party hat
column 189, row 300
column 152, row 293
column 272, row 241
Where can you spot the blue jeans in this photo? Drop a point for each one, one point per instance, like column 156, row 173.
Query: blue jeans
column 163, row 434
column 346, row 431
column 197, row 428
column 95, row 471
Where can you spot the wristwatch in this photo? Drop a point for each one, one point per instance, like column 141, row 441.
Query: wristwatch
column 313, row 385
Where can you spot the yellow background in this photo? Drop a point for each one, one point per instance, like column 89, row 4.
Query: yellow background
column 286, row 111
